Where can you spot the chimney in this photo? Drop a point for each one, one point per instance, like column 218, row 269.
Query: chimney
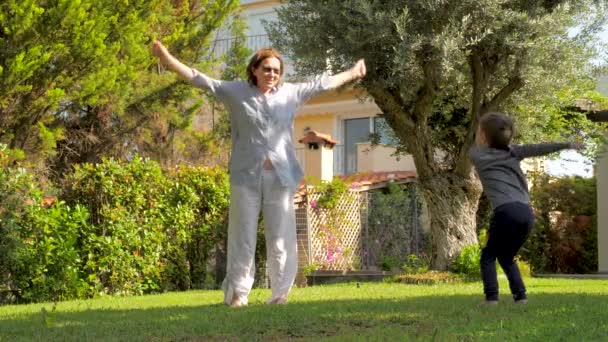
column 318, row 156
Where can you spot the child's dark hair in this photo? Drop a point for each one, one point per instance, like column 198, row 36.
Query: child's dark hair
column 498, row 129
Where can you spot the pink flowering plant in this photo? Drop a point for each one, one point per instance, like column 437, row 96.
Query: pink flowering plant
column 330, row 207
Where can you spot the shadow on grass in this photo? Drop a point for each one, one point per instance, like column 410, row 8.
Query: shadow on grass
column 455, row 317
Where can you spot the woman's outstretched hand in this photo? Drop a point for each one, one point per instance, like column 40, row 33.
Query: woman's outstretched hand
column 358, row 70
column 158, row 49
column 172, row 63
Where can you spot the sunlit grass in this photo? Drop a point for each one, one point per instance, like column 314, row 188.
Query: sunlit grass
column 559, row 309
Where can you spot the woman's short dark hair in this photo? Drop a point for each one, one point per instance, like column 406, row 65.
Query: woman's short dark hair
column 258, row 58
column 498, row 129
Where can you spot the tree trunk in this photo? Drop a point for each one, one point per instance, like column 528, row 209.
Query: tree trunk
column 452, row 203
column 484, row 213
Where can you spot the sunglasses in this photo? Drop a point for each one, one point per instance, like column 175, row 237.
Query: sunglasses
column 269, row 70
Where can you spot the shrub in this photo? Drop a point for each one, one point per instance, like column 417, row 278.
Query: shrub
column 389, row 263
column 209, row 190
column 149, row 231
column 122, row 247
column 39, row 257
column 18, row 190
column 414, row 264
column 524, row 267
column 393, row 232
column 121, row 228
column 564, row 239
column 48, row 259
column 468, row 261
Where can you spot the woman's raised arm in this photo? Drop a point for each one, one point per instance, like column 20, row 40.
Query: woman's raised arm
column 160, row 51
column 356, row 72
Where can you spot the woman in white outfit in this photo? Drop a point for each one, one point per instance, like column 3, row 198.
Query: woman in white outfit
column 264, row 171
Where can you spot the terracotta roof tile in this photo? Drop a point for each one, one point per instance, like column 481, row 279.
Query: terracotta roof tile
column 371, row 178
column 366, row 180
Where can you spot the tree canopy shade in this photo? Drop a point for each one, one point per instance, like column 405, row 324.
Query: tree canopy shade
column 77, row 79
column 435, row 66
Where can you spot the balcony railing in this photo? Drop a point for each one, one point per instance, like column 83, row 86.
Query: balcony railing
column 220, row 47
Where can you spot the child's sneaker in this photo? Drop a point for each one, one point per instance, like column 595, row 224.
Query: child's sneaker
column 491, row 302
column 520, row 298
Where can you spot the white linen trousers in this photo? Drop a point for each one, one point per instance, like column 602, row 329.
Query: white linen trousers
column 276, row 204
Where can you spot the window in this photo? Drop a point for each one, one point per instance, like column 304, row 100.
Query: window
column 384, row 132
column 360, row 130
column 355, row 131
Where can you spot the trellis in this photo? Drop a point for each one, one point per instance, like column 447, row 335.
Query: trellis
column 309, row 221
column 369, row 231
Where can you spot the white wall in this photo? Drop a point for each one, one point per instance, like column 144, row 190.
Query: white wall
column 254, row 17
column 602, row 210
column 380, row 158
column 602, row 194
column 258, row 38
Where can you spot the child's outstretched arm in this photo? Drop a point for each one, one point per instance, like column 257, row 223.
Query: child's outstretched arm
column 537, row 150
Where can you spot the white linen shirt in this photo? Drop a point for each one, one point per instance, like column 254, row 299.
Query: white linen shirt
column 262, row 125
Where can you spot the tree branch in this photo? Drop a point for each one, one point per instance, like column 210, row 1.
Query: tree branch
column 111, row 140
column 480, row 83
column 411, row 134
column 390, row 103
column 426, row 93
column 515, row 83
column 482, row 68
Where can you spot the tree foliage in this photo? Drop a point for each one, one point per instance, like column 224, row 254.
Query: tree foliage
column 206, row 139
column 78, row 81
column 434, row 67
column 438, row 65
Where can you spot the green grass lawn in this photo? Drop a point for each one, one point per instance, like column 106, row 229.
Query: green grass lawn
column 558, row 309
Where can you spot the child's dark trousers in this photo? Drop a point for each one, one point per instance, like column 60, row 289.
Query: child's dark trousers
column 509, row 229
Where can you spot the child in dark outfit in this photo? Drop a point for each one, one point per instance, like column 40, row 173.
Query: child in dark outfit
column 504, row 183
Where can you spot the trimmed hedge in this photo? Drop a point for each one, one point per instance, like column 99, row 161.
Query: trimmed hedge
column 118, row 228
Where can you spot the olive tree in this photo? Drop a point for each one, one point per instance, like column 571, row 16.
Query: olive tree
column 435, row 66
